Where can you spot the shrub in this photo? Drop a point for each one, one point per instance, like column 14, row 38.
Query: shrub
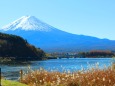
column 93, row 77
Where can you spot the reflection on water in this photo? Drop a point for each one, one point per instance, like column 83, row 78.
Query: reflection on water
column 11, row 71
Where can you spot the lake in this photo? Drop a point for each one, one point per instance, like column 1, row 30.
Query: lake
column 11, row 71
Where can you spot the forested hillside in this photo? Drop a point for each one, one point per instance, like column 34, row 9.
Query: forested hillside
column 16, row 48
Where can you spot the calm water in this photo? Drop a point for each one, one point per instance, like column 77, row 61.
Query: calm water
column 12, row 71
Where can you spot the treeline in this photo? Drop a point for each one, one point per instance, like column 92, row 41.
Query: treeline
column 16, row 48
column 97, row 53
column 92, row 54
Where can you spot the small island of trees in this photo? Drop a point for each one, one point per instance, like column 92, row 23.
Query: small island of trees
column 89, row 54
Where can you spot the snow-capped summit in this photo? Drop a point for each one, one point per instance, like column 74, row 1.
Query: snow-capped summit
column 28, row 23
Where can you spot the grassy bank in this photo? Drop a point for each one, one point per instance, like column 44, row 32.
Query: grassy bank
column 11, row 83
column 92, row 77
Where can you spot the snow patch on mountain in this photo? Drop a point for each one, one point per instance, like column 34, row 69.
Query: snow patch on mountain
column 28, row 23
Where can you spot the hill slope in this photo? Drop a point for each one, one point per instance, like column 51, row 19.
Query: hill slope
column 17, row 48
column 52, row 39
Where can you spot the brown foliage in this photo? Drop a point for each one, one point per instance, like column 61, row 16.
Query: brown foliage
column 94, row 77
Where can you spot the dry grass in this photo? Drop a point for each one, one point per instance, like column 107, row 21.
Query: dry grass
column 93, row 77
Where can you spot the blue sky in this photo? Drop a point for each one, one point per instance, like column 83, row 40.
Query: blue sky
column 88, row 17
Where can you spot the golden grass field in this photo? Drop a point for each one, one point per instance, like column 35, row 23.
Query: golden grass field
column 91, row 77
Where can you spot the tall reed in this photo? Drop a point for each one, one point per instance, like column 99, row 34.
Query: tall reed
column 91, row 77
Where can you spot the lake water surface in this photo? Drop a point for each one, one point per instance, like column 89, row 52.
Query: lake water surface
column 11, row 71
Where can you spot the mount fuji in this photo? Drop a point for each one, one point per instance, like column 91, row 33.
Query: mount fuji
column 52, row 39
